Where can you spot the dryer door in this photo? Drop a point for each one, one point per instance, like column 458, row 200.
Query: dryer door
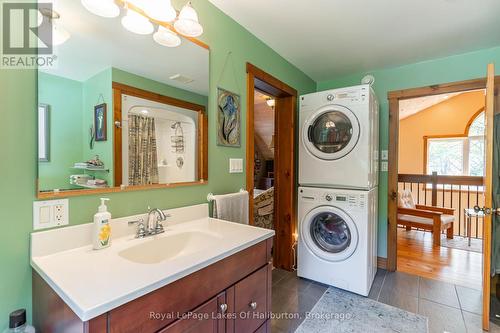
column 329, row 233
column 331, row 132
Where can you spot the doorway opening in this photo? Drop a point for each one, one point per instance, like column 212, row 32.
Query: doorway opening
column 270, row 160
column 455, row 154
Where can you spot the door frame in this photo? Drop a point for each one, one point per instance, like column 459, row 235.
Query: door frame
column 393, row 150
column 285, row 113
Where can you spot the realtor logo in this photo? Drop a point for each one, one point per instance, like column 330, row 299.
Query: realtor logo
column 27, row 40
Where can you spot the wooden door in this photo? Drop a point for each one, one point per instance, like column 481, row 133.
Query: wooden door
column 488, row 187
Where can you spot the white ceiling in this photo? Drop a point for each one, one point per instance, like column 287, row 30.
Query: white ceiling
column 328, row 38
column 98, row 43
column 411, row 106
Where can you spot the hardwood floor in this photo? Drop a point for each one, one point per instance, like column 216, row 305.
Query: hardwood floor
column 417, row 256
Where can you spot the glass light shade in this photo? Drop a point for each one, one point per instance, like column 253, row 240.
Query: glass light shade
column 166, row 37
column 160, row 10
column 187, row 23
column 136, row 23
column 104, row 8
column 271, row 102
column 59, row 34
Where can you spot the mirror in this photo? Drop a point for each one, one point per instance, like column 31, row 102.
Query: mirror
column 117, row 110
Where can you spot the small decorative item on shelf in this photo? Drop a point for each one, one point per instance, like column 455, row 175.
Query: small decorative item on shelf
column 228, row 119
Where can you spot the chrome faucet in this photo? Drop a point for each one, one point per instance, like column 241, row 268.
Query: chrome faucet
column 153, row 228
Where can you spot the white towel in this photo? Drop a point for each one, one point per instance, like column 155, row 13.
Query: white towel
column 232, row 207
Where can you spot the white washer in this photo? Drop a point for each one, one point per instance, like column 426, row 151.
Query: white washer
column 339, row 138
column 338, row 237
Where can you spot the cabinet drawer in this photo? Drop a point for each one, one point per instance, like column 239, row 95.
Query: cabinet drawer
column 250, row 299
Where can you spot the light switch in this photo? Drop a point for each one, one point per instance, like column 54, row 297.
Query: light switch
column 385, row 166
column 384, row 155
column 235, row 165
column 51, row 213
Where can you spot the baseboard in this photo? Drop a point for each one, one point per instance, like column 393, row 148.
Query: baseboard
column 382, row 262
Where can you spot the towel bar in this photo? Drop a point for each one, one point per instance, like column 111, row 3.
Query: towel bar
column 211, row 196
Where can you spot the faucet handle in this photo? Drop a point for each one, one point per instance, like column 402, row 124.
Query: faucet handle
column 159, row 228
column 141, row 229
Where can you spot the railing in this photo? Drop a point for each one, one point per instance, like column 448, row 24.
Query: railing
column 458, row 192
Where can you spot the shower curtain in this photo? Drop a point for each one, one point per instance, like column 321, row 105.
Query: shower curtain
column 142, row 154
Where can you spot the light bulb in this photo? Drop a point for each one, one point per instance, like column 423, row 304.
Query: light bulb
column 104, row 8
column 59, row 34
column 187, row 23
column 160, row 10
column 136, row 23
column 166, row 37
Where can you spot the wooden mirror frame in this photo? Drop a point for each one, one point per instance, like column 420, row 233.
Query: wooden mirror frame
column 122, row 89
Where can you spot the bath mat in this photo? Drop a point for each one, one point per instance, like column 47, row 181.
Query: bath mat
column 339, row 311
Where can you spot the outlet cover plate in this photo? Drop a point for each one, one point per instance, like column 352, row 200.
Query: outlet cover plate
column 50, row 213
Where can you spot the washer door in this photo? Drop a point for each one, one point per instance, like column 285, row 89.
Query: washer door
column 329, row 233
column 331, row 132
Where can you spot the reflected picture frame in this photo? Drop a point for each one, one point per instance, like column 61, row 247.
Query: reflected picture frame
column 101, row 122
column 43, row 133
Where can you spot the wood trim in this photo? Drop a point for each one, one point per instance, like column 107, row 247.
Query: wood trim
column 488, row 190
column 441, row 180
column 167, row 25
column 394, row 97
column 285, row 123
column 78, row 193
column 117, row 138
column 382, row 263
column 202, row 146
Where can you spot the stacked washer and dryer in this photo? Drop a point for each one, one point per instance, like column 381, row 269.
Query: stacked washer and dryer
column 338, row 179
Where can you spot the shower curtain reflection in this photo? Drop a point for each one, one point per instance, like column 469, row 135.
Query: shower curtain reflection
column 143, row 160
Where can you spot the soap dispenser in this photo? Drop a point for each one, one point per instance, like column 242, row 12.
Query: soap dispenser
column 102, row 230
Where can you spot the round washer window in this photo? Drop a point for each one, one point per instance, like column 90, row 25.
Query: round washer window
column 330, row 232
column 331, row 132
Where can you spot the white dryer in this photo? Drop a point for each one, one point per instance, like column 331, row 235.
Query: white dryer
column 337, row 242
column 339, row 138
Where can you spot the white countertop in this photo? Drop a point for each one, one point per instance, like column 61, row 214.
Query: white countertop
column 94, row 282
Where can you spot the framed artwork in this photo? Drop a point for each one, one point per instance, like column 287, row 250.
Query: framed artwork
column 43, row 133
column 228, row 119
column 100, row 122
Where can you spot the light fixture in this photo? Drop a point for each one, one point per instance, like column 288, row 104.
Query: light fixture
column 166, row 37
column 187, row 23
column 59, row 34
column 104, row 8
column 160, row 10
column 136, row 23
column 271, row 102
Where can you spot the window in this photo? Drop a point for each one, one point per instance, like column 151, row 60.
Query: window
column 458, row 156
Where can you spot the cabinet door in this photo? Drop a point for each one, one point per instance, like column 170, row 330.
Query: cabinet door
column 205, row 319
column 250, row 299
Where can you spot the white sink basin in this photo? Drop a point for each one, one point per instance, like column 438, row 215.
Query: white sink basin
column 156, row 250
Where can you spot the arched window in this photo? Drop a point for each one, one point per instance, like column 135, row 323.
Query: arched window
column 462, row 155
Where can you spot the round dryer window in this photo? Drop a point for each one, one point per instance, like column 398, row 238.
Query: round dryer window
column 331, row 133
column 329, row 233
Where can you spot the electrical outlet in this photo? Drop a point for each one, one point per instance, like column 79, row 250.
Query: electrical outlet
column 52, row 213
column 384, row 166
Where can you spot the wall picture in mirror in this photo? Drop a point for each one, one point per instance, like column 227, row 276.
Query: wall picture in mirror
column 121, row 119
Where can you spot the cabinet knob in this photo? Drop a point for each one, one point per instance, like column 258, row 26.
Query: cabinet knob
column 253, row 305
column 223, row 307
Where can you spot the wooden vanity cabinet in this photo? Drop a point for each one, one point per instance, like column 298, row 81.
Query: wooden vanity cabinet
column 232, row 295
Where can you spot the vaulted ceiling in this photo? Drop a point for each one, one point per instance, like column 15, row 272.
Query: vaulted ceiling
column 328, row 38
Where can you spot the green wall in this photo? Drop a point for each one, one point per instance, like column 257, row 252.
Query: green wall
column 18, row 147
column 97, row 90
column 65, row 122
column 455, row 68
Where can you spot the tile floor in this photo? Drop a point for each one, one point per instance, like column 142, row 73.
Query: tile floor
column 450, row 308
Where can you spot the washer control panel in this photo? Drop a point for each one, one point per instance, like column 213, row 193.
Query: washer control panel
column 346, row 200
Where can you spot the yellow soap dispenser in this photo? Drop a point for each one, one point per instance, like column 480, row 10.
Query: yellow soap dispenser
column 102, row 230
